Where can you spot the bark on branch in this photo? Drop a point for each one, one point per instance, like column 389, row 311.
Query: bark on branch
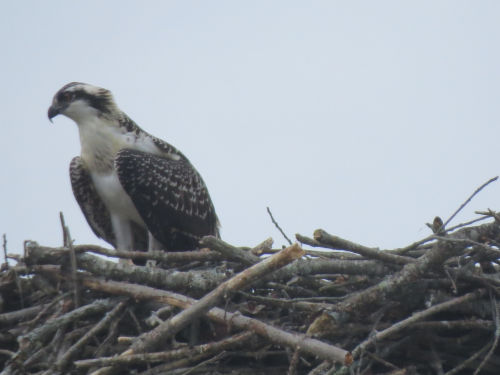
column 236, row 320
column 150, row 340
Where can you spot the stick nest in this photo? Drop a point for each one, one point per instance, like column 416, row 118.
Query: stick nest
column 428, row 308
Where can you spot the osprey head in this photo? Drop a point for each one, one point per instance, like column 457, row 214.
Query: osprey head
column 78, row 101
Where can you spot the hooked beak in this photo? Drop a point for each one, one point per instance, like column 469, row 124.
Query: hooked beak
column 54, row 110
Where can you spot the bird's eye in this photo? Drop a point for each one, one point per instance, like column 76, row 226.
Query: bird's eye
column 65, row 96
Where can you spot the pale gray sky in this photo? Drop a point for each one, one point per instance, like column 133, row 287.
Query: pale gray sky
column 365, row 118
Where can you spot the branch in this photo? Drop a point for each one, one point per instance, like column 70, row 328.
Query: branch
column 167, row 356
column 399, row 326
column 72, row 256
column 326, row 253
column 334, row 242
column 278, row 226
column 468, row 200
column 228, row 251
column 271, row 333
column 4, row 246
column 64, row 361
column 35, row 338
column 308, row 267
column 152, row 339
column 263, row 247
column 194, row 281
column 20, row 315
column 170, row 258
column 432, row 259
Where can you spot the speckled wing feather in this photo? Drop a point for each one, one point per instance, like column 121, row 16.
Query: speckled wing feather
column 170, row 196
column 93, row 208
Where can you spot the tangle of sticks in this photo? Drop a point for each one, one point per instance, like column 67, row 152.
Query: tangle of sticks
column 327, row 306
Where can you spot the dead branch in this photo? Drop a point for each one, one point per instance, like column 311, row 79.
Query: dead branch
column 196, row 281
column 427, row 308
column 35, row 339
column 307, row 267
column 71, row 353
column 273, row 334
column 150, row 340
column 4, row 247
column 20, row 315
column 432, row 259
column 68, row 242
column 228, row 251
column 337, row 243
column 468, row 200
column 278, row 226
column 263, row 248
column 170, row 258
column 397, row 327
column 232, row 342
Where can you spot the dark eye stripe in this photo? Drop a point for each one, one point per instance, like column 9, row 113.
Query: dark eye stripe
column 100, row 103
column 65, row 96
column 101, row 100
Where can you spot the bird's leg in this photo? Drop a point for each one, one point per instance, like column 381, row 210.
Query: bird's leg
column 123, row 235
column 153, row 244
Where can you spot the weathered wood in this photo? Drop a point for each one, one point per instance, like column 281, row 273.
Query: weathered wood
column 430, row 307
column 150, row 340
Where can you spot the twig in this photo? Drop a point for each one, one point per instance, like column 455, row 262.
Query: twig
column 169, row 258
column 468, row 200
column 194, row 281
column 291, row 304
column 228, row 251
column 151, row 339
column 344, row 255
column 346, row 299
column 136, row 322
column 263, row 247
column 44, row 351
column 415, row 318
column 277, row 226
column 436, row 362
column 7, row 353
column 435, row 257
column 70, row 354
column 467, row 223
column 292, row 368
column 413, row 246
column 72, row 256
column 321, row 368
column 271, row 333
column 381, row 360
column 235, row 341
column 468, row 241
column 496, row 318
column 309, row 267
column 170, row 367
column 207, row 362
column 5, row 251
column 157, row 317
column 432, row 237
column 20, row 315
column 36, row 337
column 469, row 360
column 338, row 243
column 110, row 338
column 455, row 325
column 52, row 303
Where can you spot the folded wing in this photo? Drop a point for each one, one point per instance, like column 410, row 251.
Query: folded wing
column 170, row 196
column 94, row 209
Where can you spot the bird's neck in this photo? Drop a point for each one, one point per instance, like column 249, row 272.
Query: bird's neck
column 100, row 141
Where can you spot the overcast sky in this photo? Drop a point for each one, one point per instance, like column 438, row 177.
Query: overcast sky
column 364, row 118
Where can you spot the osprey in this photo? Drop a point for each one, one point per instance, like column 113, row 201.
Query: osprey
column 136, row 191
